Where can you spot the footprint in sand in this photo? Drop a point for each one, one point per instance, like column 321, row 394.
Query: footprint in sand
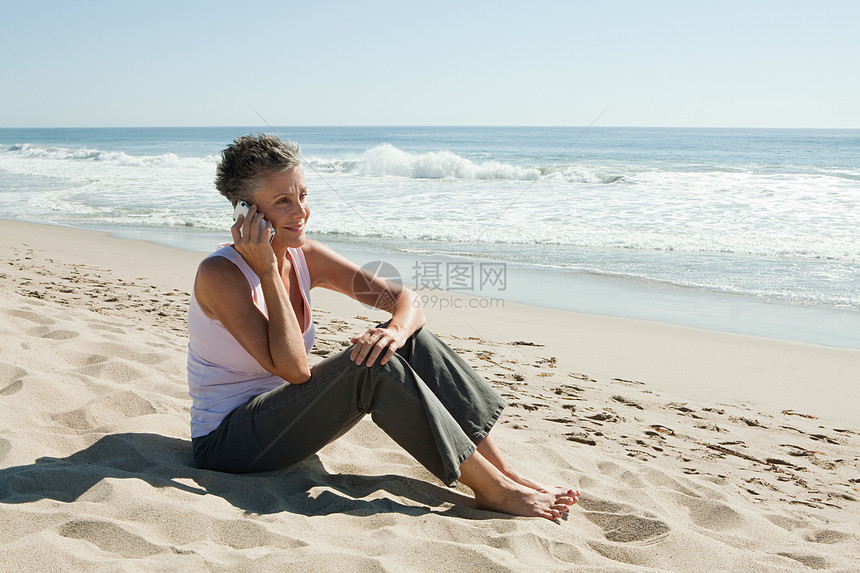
column 128, row 352
column 83, row 359
column 45, row 332
column 105, row 410
column 110, row 537
column 809, row 560
column 31, row 316
column 711, row 514
column 60, row 334
column 12, row 388
column 828, row 536
column 120, row 371
column 10, row 379
column 248, row 535
column 621, row 524
column 5, row 447
column 620, row 474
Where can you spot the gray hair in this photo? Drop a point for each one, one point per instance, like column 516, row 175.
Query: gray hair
column 249, row 159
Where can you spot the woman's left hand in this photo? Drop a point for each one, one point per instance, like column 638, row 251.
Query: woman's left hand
column 376, row 342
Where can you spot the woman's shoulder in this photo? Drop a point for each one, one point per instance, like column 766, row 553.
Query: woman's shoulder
column 214, row 262
column 310, row 247
column 216, row 268
column 326, row 266
column 225, row 264
column 225, row 251
column 315, row 250
column 217, row 280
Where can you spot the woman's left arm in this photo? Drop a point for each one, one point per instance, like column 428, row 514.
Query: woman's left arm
column 330, row 270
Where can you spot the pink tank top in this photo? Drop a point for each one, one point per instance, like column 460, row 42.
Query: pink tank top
column 221, row 374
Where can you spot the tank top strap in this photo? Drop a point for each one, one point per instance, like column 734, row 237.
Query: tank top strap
column 232, row 255
column 302, row 271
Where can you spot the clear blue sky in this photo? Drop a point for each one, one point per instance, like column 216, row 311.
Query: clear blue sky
column 652, row 63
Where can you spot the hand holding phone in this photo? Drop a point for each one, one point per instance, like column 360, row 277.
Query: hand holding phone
column 242, row 208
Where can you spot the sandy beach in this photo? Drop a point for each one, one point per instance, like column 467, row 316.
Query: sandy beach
column 694, row 450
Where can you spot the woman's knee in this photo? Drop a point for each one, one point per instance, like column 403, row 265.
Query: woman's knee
column 395, row 372
column 424, row 337
column 396, row 367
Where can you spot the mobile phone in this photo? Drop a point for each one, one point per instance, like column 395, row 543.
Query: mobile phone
column 242, row 208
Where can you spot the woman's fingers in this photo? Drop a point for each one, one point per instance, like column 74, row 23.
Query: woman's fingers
column 234, row 230
column 370, row 345
column 358, row 348
column 364, row 345
column 250, row 228
column 389, row 352
column 251, row 223
column 248, row 239
column 259, row 229
column 381, row 344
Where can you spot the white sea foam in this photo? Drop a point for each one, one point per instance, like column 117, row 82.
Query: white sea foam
column 388, row 160
column 740, row 213
column 25, row 150
column 792, row 230
column 442, row 196
column 380, row 161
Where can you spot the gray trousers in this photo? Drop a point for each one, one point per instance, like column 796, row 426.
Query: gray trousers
column 427, row 398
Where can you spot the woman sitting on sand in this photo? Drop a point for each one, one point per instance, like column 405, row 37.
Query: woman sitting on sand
column 258, row 405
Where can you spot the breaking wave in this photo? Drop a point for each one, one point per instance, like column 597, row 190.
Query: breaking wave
column 388, row 161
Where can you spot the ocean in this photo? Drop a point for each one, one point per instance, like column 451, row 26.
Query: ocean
column 753, row 231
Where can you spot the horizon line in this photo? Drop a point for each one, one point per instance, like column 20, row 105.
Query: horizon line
column 341, row 126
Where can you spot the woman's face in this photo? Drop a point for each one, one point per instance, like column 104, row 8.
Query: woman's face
column 283, row 200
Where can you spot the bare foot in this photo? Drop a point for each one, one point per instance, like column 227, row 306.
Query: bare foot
column 517, row 499
column 491, row 452
column 557, row 491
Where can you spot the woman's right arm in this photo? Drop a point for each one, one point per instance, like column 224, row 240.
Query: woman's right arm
column 222, row 291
